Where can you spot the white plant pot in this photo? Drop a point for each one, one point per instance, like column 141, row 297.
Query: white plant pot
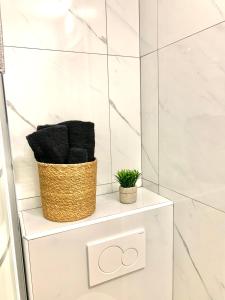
column 128, row 195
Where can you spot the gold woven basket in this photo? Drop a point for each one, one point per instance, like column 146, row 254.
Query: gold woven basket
column 68, row 192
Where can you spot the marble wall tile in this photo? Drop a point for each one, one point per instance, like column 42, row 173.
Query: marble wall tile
column 179, row 19
column 192, row 117
column 124, row 95
column 149, row 116
column 150, row 186
column 148, row 26
column 123, row 27
column 49, row 87
column 199, row 249
column 51, row 24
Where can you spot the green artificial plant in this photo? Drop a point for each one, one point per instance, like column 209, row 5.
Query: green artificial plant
column 127, row 178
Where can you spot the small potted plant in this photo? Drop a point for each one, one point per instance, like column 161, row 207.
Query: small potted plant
column 127, row 180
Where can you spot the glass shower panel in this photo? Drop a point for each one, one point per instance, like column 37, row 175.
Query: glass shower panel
column 7, row 280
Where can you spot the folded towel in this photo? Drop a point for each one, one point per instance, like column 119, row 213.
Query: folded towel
column 50, row 144
column 82, row 135
column 45, row 126
column 77, row 156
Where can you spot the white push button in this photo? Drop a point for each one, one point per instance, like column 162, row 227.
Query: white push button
column 129, row 257
column 110, row 259
column 115, row 256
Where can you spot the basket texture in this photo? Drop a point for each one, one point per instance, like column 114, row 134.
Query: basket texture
column 68, row 192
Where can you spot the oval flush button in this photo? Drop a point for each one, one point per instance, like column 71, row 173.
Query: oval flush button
column 110, row 259
column 129, row 257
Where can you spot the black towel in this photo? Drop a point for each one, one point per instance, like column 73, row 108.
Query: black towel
column 45, row 126
column 77, row 156
column 50, row 145
column 81, row 135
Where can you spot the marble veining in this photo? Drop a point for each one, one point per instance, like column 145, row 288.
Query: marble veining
column 219, row 7
column 148, row 26
column 123, row 27
column 149, row 116
column 151, row 163
column 192, row 117
column 101, row 38
column 192, row 261
column 87, row 73
column 53, row 65
column 176, row 19
column 13, row 108
column 113, row 106
column 124, row 95
column 58, row 25
column 198, row 249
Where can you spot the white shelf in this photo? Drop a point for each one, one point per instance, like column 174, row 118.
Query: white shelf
column 34, row 225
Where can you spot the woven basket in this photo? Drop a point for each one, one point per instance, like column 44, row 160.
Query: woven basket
column 68, row 192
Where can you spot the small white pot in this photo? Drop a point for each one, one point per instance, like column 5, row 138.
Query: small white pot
column 128, row 195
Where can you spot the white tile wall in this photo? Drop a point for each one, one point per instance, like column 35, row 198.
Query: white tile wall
column 49, row 88
column 123, row 27
column 191, row 126
column 148, row 26
column 150, row 186
column 124, row 96
column 192, row 116
column 149, row 114
column 62, row 80
column 50, row 24
column 199, row 249
column 178, row 19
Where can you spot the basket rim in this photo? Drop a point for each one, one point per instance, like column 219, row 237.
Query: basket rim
column 68, row 165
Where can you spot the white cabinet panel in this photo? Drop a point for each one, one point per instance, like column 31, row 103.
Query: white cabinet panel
column 59, row 264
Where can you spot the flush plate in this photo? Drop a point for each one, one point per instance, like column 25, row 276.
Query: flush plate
column 115, row 256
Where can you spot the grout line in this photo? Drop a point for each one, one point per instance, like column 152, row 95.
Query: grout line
column 173, row 255
column 190, row 35
column 21, row 199
column 141, row 114
column 30, row 208
column 30, row 270
column 24, row 227
column 153, row 184
column 158, row 135
column 128, row 56
column 109, row 111
column 24, row 267
column 140, row 83
column 99, row 195
column 38, row 196
column 139, row 24
column 150, row 181
column 148, row 53
column 193, row 199
column 184, row 38
column 70, row 51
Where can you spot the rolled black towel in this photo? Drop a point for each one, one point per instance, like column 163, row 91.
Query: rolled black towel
column 50, row 145
column 77, row 155
column 45, row 126
column 82, row 135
